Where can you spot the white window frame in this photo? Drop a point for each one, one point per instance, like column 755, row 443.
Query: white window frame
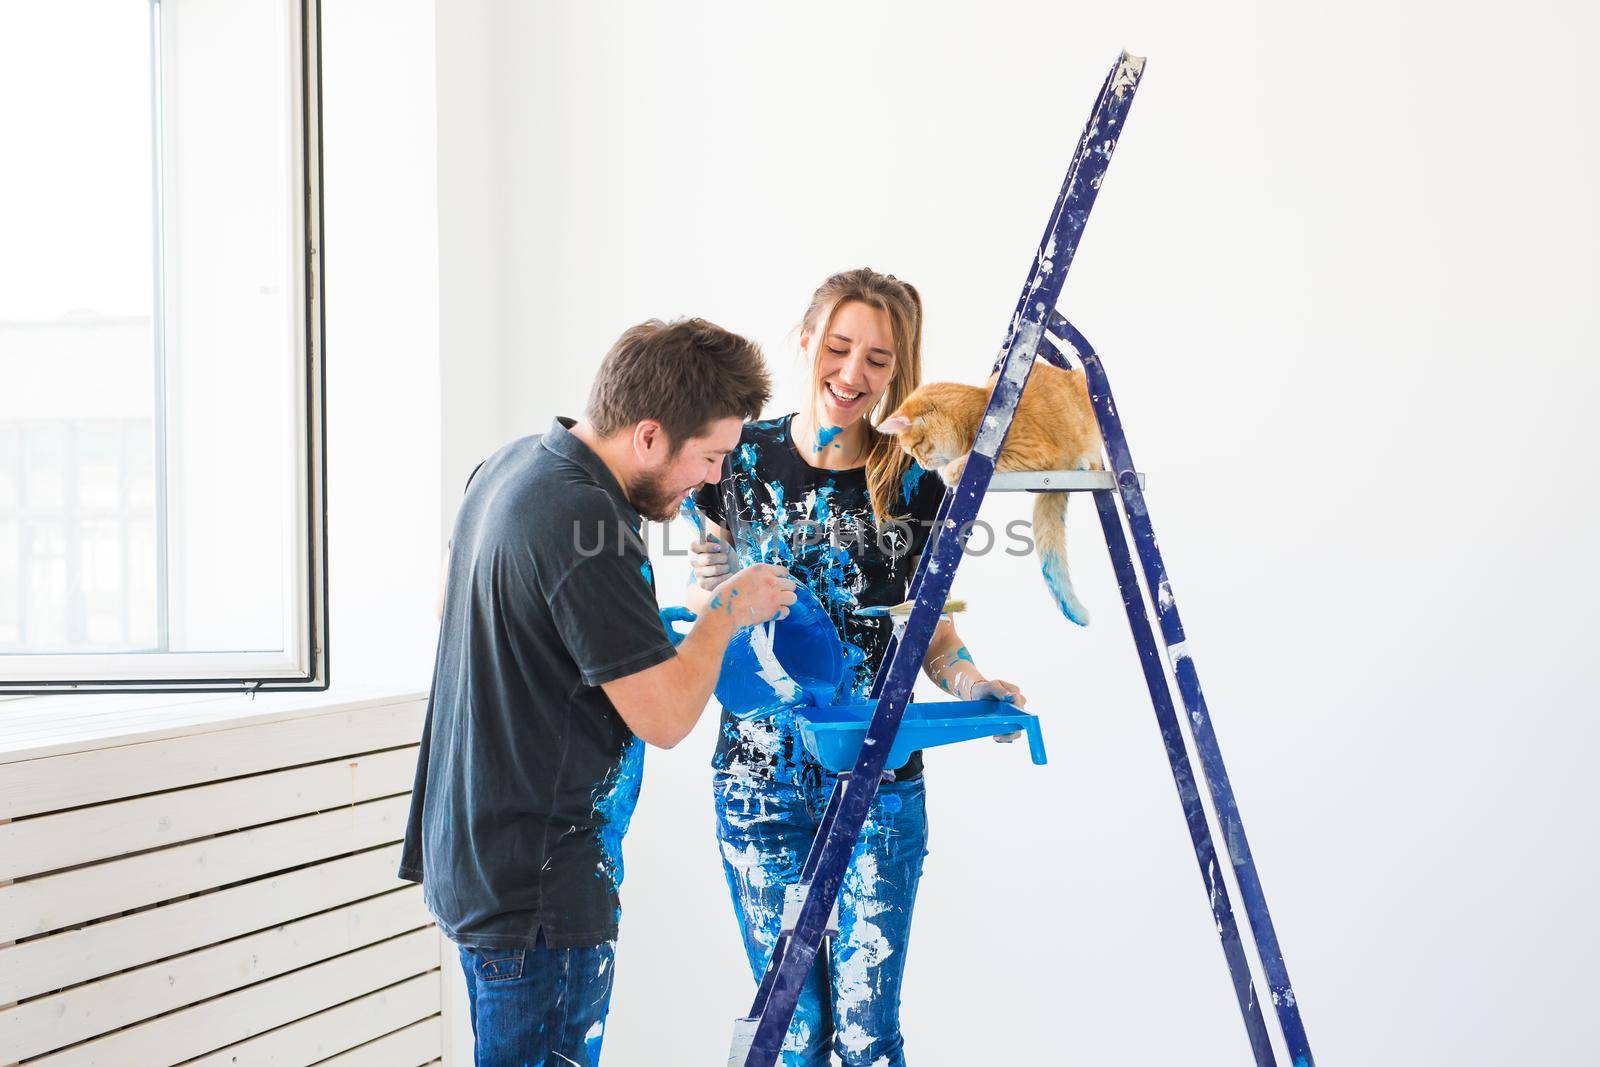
column 304, row 662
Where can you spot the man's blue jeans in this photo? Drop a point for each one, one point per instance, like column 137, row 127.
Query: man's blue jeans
column 851, row 1003
column 538, row 1007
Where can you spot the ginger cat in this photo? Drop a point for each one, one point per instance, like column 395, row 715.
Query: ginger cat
column 1054, row 429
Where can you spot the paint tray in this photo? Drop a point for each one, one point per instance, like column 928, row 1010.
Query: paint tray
column 833, row 734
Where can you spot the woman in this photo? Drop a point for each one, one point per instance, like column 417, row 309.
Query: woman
column 823, row 493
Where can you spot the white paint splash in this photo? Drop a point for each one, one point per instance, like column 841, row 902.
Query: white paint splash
column 743, row 804
column 748, row 861
column 1127, row 74
column 772, row 672
column 1016, row 375
column 864, row 950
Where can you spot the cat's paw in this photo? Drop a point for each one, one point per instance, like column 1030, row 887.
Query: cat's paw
column 951, row 472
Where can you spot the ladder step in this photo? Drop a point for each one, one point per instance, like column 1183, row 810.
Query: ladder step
column 744, row 1035
column 1054, row 481
column 794, row 897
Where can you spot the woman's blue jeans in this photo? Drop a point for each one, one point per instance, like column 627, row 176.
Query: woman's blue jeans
column 540, row 1005
column 851, row 1001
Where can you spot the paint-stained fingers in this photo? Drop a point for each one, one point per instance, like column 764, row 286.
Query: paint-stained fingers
column 998, row 689
column 705, row 553
column 710, row 577
column 709, row 561
column 756, row 594
column 708, row 546
column 1012, row 693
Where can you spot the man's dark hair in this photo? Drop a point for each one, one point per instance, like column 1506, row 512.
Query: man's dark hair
column 684, row 374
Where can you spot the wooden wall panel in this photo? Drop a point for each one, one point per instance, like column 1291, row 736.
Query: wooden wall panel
column 226, row 891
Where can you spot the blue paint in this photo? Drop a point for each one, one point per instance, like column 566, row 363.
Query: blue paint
column 910, row 480
column 675, row 615
column 1054, row 566
column 613, row 806
column 825, row 436
column 822, row 508
column 805, row 646
column 687, row 509
column 786, row 535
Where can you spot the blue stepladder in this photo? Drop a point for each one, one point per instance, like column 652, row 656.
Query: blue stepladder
column 1037, row 329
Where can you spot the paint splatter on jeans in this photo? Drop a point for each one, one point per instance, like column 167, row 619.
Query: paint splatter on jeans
column 538, row 1005
column 851, row 1001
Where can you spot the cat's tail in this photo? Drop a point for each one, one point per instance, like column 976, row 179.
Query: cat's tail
column 1050, row 539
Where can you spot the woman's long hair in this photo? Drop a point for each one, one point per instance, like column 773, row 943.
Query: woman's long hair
column 885, row 461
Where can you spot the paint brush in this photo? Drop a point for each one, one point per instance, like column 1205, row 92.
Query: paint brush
column 902, row 610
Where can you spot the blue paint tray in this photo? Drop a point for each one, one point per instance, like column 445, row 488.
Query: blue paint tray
column 833, row 734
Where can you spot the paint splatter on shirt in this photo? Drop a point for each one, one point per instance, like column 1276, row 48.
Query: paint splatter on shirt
column 777, row 508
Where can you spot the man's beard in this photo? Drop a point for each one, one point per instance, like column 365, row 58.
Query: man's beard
column 650, row 497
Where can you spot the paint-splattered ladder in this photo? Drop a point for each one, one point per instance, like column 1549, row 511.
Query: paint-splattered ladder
column 1037, row 329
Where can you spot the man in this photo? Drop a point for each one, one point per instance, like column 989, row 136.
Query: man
column 554, row 669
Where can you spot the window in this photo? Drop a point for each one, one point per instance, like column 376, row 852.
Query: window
column 161, row 469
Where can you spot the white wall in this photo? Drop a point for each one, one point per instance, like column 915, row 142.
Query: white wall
column 1342, row 274
column 383, row 381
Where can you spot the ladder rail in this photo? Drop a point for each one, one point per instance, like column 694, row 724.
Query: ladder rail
column 786, row 974
column 1183, row 777
column 1174, row 642
column 1194, row 812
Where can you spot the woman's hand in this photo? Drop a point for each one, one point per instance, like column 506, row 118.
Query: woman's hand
column 710, row 562
column 996, row 689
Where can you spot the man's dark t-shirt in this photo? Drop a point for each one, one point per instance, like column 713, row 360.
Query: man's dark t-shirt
column 777, row 508
column 527, row 776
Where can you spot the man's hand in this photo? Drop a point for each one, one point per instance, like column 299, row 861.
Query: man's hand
column 760, row 592
column 662, row 703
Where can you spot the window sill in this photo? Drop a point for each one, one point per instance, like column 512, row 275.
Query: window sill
column 38, row 726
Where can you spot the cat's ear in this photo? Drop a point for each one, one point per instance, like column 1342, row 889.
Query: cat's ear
column 894, row 424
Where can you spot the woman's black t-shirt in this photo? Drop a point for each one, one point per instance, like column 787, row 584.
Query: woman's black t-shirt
column 777, row 508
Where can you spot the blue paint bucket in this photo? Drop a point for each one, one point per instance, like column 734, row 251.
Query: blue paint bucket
column 795, row 660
